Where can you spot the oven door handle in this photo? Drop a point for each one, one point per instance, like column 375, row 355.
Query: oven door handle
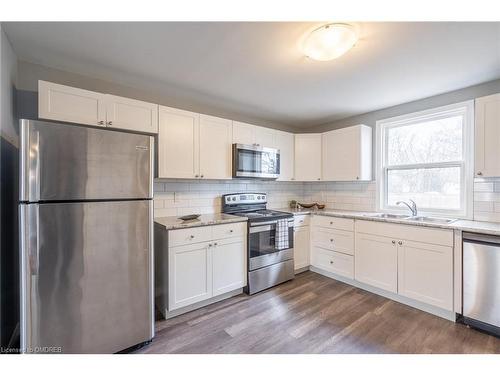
column 272, row 222
column 261, row 228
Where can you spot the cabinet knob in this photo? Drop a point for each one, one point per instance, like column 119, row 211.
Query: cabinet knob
column 293, row 178
column 230, row 231
column 331, row 239
column 201, row 176
column 209, row 245
column 196, row 175
column 400, row 242
column 215, row 244
column 191, row 236
column 479, row 173
column 331, row 222
column 100, row 122
column 319, row 178
column 393, row 242
column 331, row 262
column 110, row 123
column 357, row 177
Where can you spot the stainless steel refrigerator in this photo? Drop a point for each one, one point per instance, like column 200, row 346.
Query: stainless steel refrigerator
column 86, row 217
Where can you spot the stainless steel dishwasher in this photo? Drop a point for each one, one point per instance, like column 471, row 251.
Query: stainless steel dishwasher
column 481, row 281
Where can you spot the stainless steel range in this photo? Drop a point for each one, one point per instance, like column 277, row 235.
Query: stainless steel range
column 270, row 240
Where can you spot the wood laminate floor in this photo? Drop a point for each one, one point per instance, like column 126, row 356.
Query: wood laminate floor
column 314, row 314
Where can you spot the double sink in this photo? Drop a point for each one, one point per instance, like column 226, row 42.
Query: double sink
column 417, row 219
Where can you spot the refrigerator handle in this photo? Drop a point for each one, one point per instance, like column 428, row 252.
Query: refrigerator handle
column 29, row 184
column 33, row 234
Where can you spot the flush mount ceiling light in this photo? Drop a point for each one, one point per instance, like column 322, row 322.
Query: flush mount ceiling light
column 329, row 41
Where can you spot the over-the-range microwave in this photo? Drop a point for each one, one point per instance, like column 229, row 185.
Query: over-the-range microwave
column 255, row 161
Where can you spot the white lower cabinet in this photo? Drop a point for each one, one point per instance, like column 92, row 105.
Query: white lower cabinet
column 333, row 261
column 411, row 261
column 301, row 247
column 377, row 261
column 228, row 265
column 425, row 273
column 190, row 274
column 205, row 262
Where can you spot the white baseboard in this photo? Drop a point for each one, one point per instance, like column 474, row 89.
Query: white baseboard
column 449, row 315
column 170, row 314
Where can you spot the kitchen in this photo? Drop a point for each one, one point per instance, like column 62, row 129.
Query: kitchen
column 325, row 228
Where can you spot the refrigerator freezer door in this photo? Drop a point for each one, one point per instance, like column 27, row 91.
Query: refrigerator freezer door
column 68, row 162
column 86, row 276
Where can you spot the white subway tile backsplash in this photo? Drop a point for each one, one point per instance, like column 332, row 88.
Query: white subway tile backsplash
column 180, row 197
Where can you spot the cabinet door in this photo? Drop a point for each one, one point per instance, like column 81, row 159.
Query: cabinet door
column 425, row 273
column 215, row 147
column 301, row 247
column 69, row 104
column 487, row 136
column 178, row 144
column 347, row 154
column 285, row 142
column 265, row 137
column 243, row 133
column 229, row 265
column 308, row 157
column 189, row 274
column 376, row 261
column 130, row 114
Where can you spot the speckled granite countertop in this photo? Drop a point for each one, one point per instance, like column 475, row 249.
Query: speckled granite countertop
column 463, row 225
column 173, row 222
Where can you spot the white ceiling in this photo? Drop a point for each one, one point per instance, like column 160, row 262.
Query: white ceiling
column 258, row 70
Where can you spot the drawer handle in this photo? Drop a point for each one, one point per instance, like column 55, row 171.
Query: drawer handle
column 191, row 236
column 479, row 173
column 100, row 122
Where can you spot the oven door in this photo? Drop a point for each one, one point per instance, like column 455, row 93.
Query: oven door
column 262, row 249
column 255, row 161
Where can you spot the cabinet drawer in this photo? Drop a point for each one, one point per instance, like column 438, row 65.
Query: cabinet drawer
column 301, row 220
column 228, row 230
column 406, row 232
column 333, row 222
column 332, row 261
column 179, row 237
column 341, row 241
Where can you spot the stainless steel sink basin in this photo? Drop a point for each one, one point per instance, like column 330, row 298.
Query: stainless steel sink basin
column 389, row 216
column 433, row 220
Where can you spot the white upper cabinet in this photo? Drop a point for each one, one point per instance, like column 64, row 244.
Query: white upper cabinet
column 178, row 143
column 248, row 134
column 308, row 157
column 285, row 142
column 70, row 104
column 131, row 114
column 347, row 154
column 215, row 147
column 487, row 136
column 265, row 137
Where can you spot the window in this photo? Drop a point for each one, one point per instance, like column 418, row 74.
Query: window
column 427, row 157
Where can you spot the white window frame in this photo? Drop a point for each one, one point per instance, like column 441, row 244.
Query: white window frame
column 465, row 109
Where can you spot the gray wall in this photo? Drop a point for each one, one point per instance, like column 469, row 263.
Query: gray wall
column 29, row 74
column 371, row 118
column 9, row 260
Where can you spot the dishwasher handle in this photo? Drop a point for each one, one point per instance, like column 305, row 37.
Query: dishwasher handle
column 481, row 238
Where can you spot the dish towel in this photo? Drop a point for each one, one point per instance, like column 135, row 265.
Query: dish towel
column 281, row 239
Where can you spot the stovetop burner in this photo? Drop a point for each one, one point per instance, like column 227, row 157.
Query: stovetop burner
column 250, row 205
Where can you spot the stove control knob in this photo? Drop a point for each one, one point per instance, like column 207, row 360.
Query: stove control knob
column 262, row 197
column 234, row 198
column 258, row 196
